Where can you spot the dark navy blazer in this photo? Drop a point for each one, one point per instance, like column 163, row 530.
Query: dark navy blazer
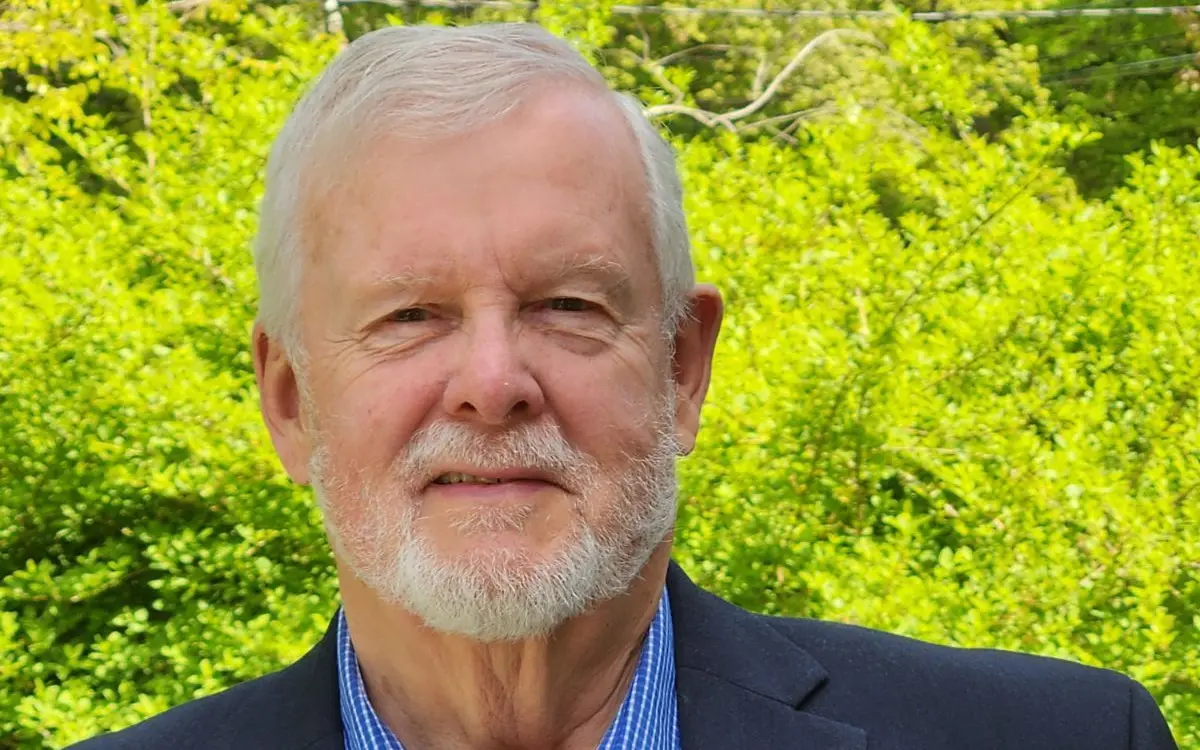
column 755, row 682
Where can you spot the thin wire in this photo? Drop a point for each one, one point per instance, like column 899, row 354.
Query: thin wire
column 926, row 16
column 1159, row 64
column 1107, row 45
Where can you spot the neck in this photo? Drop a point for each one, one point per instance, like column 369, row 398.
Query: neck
column 442, row 692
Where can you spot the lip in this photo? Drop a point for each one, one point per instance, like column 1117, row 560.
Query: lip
column 516, row 490
column 527, row 477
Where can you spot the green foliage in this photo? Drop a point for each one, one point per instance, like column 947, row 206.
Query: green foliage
column 955, row 396
column 972, row 423
column 149, row 550
column 1134, row 80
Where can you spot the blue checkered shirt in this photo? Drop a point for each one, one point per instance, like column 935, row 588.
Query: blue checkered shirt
column 646, row 720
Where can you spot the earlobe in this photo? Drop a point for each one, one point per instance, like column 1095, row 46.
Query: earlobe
column 687, row 425
column 695, row 344
column 279, row 401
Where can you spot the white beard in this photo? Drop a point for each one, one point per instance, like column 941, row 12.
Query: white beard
column 500, row 594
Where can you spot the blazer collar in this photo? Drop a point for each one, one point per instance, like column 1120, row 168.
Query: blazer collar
column 741, row 683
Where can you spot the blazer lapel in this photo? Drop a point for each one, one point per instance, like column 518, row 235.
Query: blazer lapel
column 740, row 683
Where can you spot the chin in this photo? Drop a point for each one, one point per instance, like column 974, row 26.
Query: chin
column 508, row 559
column 500, row 592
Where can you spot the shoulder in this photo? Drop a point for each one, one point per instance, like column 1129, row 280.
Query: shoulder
column 841, row 647
column 199, row 723
column 1029, row 699
column 296, row 707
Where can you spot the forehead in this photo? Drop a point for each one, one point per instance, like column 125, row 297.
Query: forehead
column 558, row 178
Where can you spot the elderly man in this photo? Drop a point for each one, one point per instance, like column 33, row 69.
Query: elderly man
column 480, row 341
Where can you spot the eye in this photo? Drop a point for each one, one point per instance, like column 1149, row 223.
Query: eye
column 409, row 315
column 568, row 304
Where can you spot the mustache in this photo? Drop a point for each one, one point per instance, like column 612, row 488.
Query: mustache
column 536, row 446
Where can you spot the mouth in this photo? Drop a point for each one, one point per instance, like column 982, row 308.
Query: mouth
column 487, row 478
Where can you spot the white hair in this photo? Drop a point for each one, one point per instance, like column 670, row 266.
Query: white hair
column 426, row 81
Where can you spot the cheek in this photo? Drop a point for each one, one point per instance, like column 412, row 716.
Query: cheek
column 370, row 418
column 609, row 414
column 364, row 504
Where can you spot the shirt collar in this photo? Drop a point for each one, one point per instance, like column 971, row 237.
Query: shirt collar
column 646, row 719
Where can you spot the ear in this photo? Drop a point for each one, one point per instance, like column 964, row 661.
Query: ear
column 279, row 400
column 695, row 343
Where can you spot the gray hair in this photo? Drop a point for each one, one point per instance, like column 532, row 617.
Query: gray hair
column 426, row 81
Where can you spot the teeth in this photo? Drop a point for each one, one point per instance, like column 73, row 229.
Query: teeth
column 455, row 477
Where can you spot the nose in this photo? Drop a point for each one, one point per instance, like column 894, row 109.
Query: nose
column 492, row 385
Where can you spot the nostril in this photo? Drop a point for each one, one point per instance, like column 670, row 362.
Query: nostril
column 525, row 409
column 493, row 395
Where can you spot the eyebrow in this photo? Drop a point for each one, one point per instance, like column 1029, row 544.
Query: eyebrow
column 613, row 279
column 402, row 280
column 383, row 285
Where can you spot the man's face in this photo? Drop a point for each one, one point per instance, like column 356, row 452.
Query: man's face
column 488, row 412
